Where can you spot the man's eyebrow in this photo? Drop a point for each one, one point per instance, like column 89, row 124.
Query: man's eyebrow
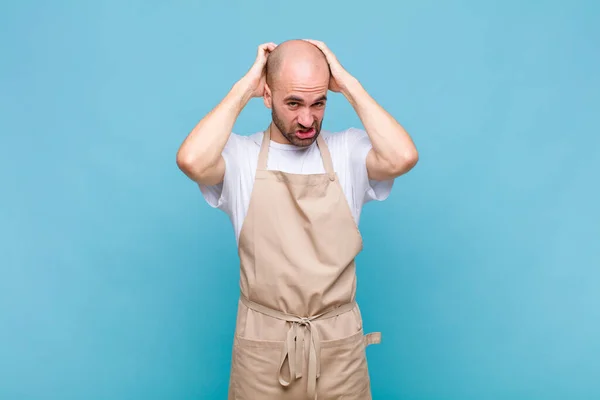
column 294, row 98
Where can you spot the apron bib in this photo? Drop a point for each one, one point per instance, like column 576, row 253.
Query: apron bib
column 299, row 332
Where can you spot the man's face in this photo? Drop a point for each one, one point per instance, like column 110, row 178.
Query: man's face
column 298, row 104
column 299, row 117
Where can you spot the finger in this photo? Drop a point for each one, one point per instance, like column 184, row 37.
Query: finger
column 269, row 45
column 321, row 46
column 263, row 51
column 266, row 47
column 316, row 43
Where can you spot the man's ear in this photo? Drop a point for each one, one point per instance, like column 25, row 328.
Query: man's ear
column 268, row 97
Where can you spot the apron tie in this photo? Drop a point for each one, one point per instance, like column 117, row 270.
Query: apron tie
column 293, row 345
column 293, row 351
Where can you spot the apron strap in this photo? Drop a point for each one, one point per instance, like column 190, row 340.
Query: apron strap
column 264, row 150
column 372, row 338
column 327, row 162
column 325, row 154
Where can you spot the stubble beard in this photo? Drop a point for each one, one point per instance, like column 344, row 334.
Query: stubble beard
column 291, row 136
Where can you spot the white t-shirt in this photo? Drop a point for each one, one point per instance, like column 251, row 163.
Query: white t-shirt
column 348, row 150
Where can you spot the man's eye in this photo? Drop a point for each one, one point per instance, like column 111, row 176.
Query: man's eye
column 293, row 104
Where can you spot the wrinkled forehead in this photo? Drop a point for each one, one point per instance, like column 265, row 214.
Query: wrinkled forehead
column 306, row 79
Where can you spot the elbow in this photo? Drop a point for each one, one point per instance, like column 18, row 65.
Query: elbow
column 411, row 159
column 188, row 164
column 198, row 169
column 184, row 161
column 404, row 162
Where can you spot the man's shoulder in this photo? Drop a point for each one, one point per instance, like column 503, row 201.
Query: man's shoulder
column 343, row 137
column 255, row 138
column 350, row 131
column 239, row 140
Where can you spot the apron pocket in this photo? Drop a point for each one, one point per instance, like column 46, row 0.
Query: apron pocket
column 344, row 371
column 255, row 369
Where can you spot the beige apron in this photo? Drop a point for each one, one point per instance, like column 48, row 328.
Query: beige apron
column 299, row 331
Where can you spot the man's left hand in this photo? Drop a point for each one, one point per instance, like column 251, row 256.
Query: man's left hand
column 340, row 78
column 393, row 152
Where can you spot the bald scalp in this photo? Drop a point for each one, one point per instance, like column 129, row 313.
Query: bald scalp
column 289, row 52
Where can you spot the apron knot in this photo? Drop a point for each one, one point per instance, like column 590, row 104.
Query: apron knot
column 294, row 353
column 294, row 344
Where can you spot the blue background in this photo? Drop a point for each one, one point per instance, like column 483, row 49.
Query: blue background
column 482, row 270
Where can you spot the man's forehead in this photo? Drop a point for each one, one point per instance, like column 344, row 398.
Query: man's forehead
column 304, row 86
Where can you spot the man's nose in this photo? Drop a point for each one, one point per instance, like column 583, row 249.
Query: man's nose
column 305, row 118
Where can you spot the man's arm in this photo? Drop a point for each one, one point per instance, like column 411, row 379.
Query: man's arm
column 393, row 152
column 199, row 156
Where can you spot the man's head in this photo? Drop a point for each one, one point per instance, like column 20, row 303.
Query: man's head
column 296, row 91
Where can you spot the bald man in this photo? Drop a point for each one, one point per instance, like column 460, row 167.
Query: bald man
column 294, row 194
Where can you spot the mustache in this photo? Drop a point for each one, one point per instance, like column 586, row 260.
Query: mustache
column 302, row 127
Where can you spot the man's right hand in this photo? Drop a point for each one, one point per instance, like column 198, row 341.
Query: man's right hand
column 255, row 78
column 200, row 155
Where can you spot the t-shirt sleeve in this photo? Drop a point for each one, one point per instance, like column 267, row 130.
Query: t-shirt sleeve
column 358, row 147
column 219, row 195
